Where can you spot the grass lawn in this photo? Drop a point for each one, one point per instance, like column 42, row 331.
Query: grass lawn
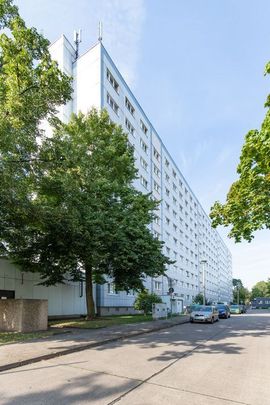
column 101, row 322
column 14, row 337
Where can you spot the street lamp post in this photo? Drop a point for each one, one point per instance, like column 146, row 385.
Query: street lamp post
column 238, row 293
column 203, row 262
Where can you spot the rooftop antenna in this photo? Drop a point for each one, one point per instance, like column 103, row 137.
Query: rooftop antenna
column 100, row 31
column 77, row 38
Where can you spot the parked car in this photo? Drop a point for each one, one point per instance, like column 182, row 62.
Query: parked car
column 204, row 313
column 235, row 309
column 223, row 311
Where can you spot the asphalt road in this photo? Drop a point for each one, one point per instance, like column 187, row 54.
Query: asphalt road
column 226, row 363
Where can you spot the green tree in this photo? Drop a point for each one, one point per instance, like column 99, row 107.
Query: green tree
column 247, row 207
column 198, row 299
column 268, row 287
column 31, row 85
column 145, row 300
column 82, row 218
column 260, row 289
column 31, row 89
column 237, row 282
column 240, row 293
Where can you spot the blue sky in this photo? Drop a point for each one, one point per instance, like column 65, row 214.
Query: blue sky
column 196, row 66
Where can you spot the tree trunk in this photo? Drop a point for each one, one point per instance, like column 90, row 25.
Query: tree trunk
column 91, row 313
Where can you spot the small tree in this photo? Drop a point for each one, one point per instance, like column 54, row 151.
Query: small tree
column 198, row 299
column 145, row 300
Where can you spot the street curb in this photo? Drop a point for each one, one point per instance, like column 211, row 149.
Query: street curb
column 88, row 346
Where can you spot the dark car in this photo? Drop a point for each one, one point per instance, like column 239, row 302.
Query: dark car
column 243, row 309
column 223, row 311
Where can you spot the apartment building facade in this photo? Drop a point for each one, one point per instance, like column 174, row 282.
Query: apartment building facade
column 181, row 221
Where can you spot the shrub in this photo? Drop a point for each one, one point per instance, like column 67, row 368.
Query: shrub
column 145, row 300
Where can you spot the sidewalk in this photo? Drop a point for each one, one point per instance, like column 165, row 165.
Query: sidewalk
column 18, row 354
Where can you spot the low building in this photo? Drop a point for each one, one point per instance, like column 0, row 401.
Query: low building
column 261, row 303
column 63, row 300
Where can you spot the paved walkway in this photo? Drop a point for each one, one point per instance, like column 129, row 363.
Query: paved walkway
column 18, row 354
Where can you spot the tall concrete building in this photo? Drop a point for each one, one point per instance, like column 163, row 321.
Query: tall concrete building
column 181, row 222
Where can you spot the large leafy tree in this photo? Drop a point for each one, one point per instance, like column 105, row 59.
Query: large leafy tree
column 31, row 85
column 261, row 289
column 31, row 89
column 247, row 207
column 82, row 218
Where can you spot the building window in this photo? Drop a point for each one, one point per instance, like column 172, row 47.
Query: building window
column 174, row 173
column 156, row 187
column 157, row 285
column 129, row 106
column 167, row 192
column 156, row 235
column 167, row 163
column 111, row 288
column 143, row 146
column 156, row 170
column 144, row 182
column 112, row 104
column 144, row 163
column 113, row 82
column 157, row 220
column 156, row 155
column 167, row 221
column 143, row 127
column 129, row 127
column 167, row 177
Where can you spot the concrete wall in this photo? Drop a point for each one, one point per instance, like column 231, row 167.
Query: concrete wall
column 63, row 299
column 23, row 315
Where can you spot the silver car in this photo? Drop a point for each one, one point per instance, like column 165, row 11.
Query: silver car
column 204, row 313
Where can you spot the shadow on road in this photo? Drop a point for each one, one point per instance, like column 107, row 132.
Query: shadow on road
column 90, row 388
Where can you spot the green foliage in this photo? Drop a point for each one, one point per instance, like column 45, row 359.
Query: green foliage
column 261, row 289
column 80, row 216
column 237, row 282
column 240, row 292
column 31, row 85
column 145, row 300
column 247, row 206
column 198, row 299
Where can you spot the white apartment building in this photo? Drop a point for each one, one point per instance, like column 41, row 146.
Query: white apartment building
column 181, row 221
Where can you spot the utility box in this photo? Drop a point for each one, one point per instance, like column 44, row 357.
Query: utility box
column 23, row 315
column 159, row 311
